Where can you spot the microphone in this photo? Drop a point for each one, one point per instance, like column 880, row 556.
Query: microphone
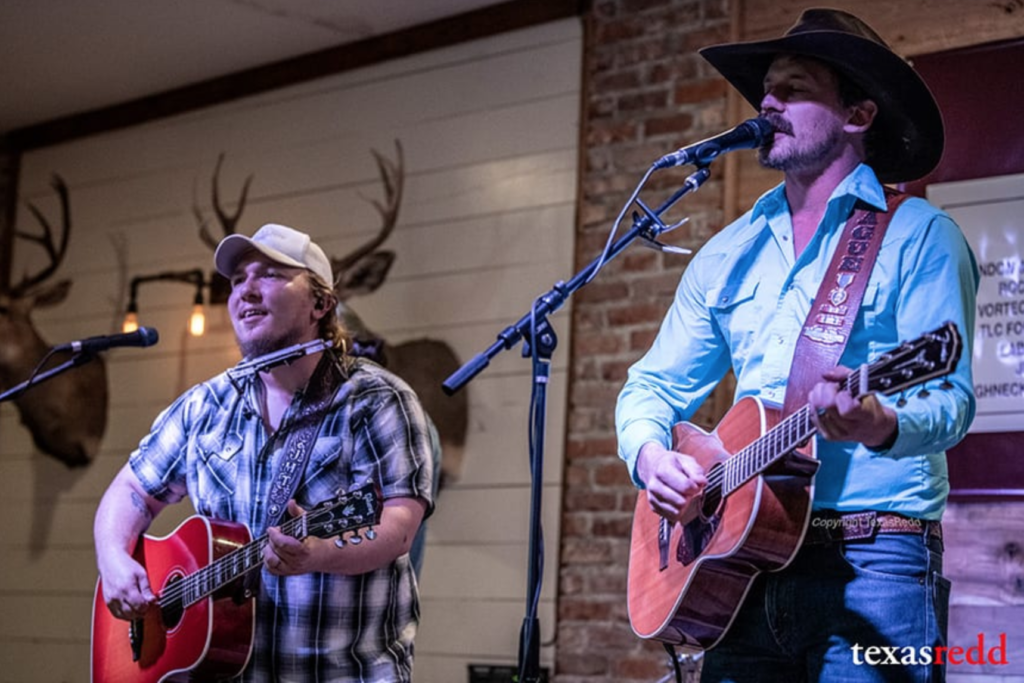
column 144, row 336
column 750, row 134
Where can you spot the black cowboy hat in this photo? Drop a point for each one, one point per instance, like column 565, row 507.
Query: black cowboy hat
column 909, row 132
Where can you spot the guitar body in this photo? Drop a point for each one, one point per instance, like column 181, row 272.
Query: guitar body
column 688, row 580
column 208, row 640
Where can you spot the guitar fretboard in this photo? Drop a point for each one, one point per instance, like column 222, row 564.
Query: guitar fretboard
column 778, row 442
column 759, row 455
column 190, row 589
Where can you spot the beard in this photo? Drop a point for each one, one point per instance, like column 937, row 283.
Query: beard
column 256, row 347
column 805, row 153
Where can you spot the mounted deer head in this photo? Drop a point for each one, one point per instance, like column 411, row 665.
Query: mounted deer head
column 67, row 414
column 423, row 363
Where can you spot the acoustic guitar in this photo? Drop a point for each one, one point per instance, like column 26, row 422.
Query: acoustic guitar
column 687, row 580
column 203, row 627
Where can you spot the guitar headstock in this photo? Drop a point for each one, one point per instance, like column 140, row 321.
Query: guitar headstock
column 931, row 355
column 348, row 512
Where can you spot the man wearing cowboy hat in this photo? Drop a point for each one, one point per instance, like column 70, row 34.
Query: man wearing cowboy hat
column 848, row 114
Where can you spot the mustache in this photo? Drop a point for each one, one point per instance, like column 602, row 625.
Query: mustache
column 779, row 124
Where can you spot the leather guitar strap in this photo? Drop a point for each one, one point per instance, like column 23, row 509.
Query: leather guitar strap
column 327, row 378
column 827, row 328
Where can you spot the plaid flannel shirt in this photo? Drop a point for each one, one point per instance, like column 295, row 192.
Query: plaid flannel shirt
column 211, row 445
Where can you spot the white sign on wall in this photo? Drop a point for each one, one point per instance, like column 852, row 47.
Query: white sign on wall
column 990, row 211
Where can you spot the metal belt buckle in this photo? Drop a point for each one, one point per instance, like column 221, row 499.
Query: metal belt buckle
column 859, row 526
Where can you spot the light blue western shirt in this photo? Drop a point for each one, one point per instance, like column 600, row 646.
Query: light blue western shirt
column 742, row 302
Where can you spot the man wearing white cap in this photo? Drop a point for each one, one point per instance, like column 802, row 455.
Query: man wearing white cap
column 324, row 611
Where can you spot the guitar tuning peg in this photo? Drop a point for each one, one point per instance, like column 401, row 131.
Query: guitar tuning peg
column 924, row 393
column 946, row 384
column 356, row 539
column 902, row 401
column 371, row 534
column 340, row 542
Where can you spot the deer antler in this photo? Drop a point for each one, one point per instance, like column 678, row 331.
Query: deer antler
column 392, row 175
column 55, row 252
column 227, row 221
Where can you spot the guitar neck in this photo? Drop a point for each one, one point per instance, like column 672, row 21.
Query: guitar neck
column 218, row 574
column 782, row 439
column 770, row 448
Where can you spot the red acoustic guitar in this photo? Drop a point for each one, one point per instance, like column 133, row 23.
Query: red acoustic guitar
column 203, row 629
column 688, row 580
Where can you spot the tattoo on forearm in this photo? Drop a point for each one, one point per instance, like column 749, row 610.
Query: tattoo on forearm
column 141, row 506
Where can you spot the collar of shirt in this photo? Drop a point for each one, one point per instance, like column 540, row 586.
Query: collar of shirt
column 860, row 184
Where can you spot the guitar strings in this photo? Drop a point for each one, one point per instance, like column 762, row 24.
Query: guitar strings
column 249, row 556
column 757, row 455
column 244, row 557
column 750, row 460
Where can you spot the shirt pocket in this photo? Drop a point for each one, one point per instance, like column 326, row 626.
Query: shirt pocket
column 873, row 307
column 878, row 332
column 737, row 312
column 327, row 472
column 217, row 475
column 878, row 322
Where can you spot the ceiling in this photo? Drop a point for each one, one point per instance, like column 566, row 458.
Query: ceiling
column 64, row 57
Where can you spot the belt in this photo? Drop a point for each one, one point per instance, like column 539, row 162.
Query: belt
column 829, row 526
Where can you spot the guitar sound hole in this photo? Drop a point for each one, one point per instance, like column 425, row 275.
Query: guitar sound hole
column 711, row 500
column 171, row 613
column 698, row 532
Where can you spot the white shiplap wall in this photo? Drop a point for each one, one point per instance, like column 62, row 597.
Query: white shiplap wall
column 490, row 131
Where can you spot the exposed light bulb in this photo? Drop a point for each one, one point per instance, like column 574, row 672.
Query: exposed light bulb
column 197, row 322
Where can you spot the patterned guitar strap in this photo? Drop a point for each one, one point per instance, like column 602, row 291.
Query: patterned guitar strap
column 327, row 378
column 318, row 395
column 827, row 328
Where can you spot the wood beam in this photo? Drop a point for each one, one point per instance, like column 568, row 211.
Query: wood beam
column 481, row 23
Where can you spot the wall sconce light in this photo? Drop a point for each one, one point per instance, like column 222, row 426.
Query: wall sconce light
column 218, row 286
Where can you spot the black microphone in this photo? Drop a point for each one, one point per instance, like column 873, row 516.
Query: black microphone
column 144, row 336
column 750, row 134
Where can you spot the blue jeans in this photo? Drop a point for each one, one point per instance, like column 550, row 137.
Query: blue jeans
column 815, row 620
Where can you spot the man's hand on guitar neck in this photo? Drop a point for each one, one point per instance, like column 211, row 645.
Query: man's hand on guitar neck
column 674, row 481
column 839, row 416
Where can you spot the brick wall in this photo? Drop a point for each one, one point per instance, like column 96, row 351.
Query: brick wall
column 646, row 93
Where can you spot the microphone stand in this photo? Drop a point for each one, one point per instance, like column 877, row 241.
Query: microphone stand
column 80, row 358
column 540, row 343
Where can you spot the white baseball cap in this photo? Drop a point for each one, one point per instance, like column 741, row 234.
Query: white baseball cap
column 281, row 244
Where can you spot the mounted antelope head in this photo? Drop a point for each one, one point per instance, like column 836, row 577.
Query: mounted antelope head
column 66, row 414
column 423, row 363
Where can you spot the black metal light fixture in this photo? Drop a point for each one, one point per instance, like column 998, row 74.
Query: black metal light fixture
column 217, row 284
